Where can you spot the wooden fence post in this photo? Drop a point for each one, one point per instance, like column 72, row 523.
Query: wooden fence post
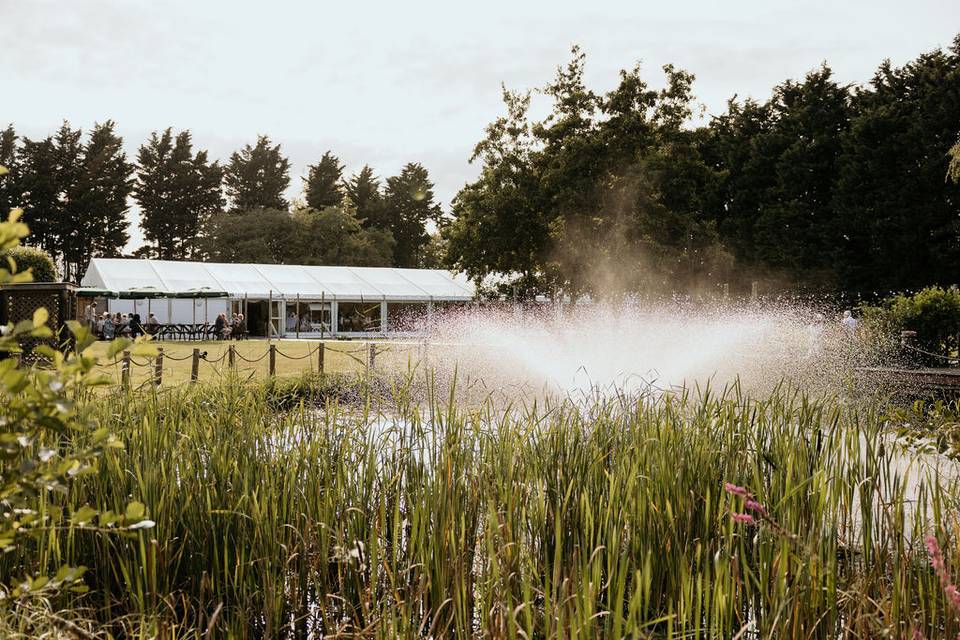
column 273, row 359
column 158, row 367
column 195, row 368
column 125, row 370
column 320, row 351
column 372, row 356
column 231, row 357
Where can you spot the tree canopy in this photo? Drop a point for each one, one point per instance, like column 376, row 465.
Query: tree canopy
column 177, row 191
column 822, row 187
column 257, row 177
column 323, row 184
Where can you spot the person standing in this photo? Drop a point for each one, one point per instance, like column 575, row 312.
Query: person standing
column 136, row 328
column 849, row 322
column 90, row 316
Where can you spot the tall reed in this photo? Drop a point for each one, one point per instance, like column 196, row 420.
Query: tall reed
column 302, row 515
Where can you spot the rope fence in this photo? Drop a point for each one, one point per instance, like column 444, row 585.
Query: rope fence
column 165, row 363
column 948, row 359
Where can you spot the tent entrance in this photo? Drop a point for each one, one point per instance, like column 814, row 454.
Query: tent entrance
column 257, row 317
column 276, row 319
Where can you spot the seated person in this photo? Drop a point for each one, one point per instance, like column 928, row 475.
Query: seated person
column 152, row 324
column 241, row 329
column 108, row 329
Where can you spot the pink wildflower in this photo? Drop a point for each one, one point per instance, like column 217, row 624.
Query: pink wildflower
column 731, row 488
column 940, row 567
column 744, row 518
column 753, row 505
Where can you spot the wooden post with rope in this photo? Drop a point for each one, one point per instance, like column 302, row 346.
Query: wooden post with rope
column 320, row 356
column 195, row 365
column 158, row 367
column 125, row 370
column 371, row 356
column 231, row 357
column 273, row 359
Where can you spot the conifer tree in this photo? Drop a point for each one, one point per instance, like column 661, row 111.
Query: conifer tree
column 177, row 191
column 257, row 177
column 323, row 182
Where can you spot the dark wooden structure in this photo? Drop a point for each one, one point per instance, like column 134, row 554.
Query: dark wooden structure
column 19, row 301
column 926, row 379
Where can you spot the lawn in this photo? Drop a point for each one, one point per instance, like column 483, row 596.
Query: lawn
column 294, row 357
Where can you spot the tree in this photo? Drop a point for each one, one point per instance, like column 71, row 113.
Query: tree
column 498, row 225
column 257, row 177
column 9, row 181
column 607, row 195
column 408, row 205
column 260, row 236
column 363, row 193
column 332, row 236
column 898, row 214
column 40, row 192
column 323, row 182
column 177, row 191
column 95, row 220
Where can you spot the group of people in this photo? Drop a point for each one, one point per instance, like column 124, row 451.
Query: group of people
column 235, row 327
column 108, row 326
column 304, row 323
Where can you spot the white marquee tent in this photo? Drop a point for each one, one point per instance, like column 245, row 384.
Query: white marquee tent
column 288, row 298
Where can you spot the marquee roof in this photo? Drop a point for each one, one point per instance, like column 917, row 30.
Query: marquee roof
column 277, row 281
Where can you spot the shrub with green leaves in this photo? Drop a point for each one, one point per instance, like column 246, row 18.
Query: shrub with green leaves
column 32, row 260
column 934, row 313
column 47, row 440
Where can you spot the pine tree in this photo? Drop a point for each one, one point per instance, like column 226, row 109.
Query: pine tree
column 96, row 204
column 40, row 193
column 10, row 181
column 363, row 192
column 899, row 214
column 323, row 182
column 177, row 192
column 257, row 177
column 68, row 229
column 409, row 204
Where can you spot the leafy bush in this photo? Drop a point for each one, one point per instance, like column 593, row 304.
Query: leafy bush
column 37, row 261
column 46, row 441
column 934, row 313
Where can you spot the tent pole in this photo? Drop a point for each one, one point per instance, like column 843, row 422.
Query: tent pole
column 297, row 325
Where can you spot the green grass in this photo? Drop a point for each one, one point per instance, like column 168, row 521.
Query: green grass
column 420, row 518
column 294, row 358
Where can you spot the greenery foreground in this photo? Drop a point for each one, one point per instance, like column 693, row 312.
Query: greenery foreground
column 323, row 506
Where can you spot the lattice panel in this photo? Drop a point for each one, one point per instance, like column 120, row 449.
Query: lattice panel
column 21, row 305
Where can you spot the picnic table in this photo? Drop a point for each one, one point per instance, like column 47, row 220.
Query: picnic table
column 185, row 331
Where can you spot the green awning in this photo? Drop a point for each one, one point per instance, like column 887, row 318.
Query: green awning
column 141, row 293
column 92, row 292
column 203, row 292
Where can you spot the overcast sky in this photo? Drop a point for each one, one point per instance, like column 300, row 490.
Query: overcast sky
column 385, row 83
